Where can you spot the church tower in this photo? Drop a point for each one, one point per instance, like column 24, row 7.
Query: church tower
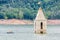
column 40, row 23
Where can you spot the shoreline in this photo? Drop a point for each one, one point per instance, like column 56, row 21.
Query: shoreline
column 15, row 21
column 24, row 22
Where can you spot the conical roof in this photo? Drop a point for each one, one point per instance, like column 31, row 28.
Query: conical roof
column 40, row 15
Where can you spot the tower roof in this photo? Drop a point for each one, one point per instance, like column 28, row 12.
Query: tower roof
column 40, row 15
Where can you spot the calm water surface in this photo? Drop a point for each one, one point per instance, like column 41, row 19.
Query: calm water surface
column 26, row 32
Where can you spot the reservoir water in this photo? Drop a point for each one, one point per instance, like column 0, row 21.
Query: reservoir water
column 26, row 32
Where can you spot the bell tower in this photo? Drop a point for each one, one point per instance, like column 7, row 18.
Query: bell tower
column 40, row 22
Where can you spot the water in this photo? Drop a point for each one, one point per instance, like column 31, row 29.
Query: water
column 26, row 32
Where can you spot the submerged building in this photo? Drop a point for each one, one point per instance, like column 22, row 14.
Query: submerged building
column 40, row 22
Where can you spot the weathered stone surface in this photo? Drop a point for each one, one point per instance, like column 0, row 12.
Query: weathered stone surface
column 40, row 23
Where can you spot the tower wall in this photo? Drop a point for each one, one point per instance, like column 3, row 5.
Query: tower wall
column 37, row 26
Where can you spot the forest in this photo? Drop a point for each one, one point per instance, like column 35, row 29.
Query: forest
column 27, row 9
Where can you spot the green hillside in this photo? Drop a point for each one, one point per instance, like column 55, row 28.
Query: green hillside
column 27, row 9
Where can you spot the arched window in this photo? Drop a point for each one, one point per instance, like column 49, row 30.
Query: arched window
column 41, row 25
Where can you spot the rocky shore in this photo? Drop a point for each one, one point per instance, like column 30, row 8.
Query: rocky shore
column 53, row 22
column 16, row 21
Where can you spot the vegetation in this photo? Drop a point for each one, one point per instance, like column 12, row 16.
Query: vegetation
column 27, row 9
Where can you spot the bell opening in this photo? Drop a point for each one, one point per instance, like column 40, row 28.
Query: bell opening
column 41, row 25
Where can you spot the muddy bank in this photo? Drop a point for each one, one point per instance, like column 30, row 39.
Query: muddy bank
column 15, row 21
column 53, row 22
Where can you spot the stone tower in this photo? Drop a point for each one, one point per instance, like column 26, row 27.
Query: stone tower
column 40, row 22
